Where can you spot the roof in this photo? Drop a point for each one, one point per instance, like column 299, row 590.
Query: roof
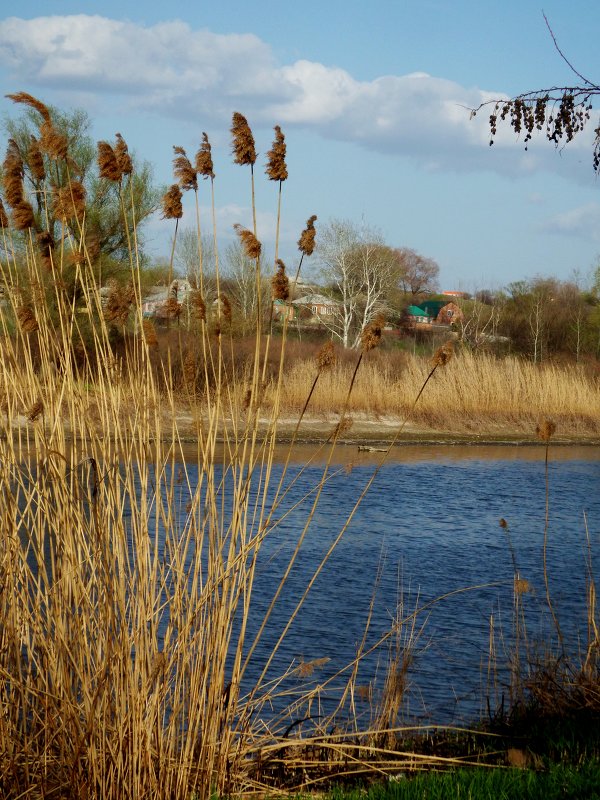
column 433, row 307
column 315, row 299
column 415, row 311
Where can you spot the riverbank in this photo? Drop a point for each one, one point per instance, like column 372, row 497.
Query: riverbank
column 381, row 431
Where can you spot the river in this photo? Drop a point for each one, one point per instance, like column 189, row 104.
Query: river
column 428, row 528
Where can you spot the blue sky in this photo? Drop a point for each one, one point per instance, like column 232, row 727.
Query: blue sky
column 372, row 98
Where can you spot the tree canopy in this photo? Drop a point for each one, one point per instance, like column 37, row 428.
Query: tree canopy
column 55, row 185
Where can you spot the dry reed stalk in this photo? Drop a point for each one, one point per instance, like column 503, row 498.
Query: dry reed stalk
column 108, row 163
column 36, row 160
column 22, row 216
column 46, row 245
column 27, row 319
column 276, row 168
column 121, row 152
column 119, row 303
column 150, row 333
column 306, row 242
column 280, row 283
column 52, row 142
column 12, row 175
column 3, row 216
column 243, row 149
column 68, row 202
column 184, row 173
column 250, row 243
column 139, row 692
column 545, row 431
column 172, row 207
column 204, row 162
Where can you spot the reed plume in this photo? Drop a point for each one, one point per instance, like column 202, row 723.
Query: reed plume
column 68, row 202
column 306, row 242
column 121, row 152
column 371, row 334
column 545, row 430
column 26, row 319
column 276, row 167
column 108, row 164
column 244, row 151
column 326, row 356
column 119, row 303
column 149, row 332
column 36, row 160
column 189, row 370
column 46, row 246
column 198, row 304
column 32, row 102
column 23, row 216
column 226, row 308
column 172, row 308
column 3, row 216
column 250, row 243
column 12, row 174
column 183, row 170
column 442, row 355
column 36, row 411
column 52, row 142
column 171, row 203
column 204, row 162
column 343, row 426
column 280, row 283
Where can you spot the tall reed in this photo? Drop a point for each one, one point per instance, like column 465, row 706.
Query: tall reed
column 127, row 578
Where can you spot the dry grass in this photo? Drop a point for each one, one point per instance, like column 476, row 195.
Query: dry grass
column 124, row 641
column 125, row 651
column 473, row 393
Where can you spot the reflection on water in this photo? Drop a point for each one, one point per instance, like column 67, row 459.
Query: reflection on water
column 429, row 526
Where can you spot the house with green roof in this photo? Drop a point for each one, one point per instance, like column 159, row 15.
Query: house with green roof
column 432, row 312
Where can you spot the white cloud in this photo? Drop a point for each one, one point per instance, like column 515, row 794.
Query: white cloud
column 172, row 70
column 581, row 222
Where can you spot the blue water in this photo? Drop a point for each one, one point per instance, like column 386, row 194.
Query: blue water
column 429, row 526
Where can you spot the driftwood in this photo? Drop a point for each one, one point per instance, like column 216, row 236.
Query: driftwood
column 365, row 448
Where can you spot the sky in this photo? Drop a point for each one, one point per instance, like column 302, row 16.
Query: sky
column 373, row 99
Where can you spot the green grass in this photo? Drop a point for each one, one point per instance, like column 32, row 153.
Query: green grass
column 579, row 783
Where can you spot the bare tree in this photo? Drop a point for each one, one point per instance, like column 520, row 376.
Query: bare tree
column 479, row 325
column 239, row 272
column 360, row 269
column 417, row 274
column 187, row 259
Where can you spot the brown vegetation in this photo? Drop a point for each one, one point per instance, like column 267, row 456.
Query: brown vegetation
column 124, row 616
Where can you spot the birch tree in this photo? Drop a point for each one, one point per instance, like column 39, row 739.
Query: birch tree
column 239, row 272
column 360, row 269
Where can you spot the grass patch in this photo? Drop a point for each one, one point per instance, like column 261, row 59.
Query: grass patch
column 560, row 781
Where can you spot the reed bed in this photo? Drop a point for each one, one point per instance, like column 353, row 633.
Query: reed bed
column 125, row 644
column 129, row 648
column 476, row 393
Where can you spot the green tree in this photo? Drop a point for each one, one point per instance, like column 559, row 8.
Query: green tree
column 70, row 197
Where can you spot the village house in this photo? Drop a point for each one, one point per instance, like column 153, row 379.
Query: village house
column 432, row 312
column 318, row 306
column 155, row 298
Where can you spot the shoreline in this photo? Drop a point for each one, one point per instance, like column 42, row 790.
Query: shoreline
column 382, row 432
column 366, row 433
